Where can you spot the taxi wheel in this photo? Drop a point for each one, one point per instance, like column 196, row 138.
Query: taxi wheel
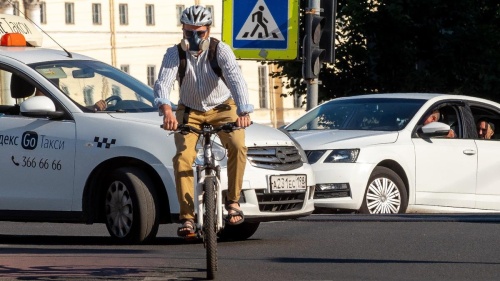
column 130, row 208
column 238, row 232
column 385, row 193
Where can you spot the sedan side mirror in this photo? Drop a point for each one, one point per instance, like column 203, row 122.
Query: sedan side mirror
column 434, row 129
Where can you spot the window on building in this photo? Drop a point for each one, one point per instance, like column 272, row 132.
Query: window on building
column 69, row 12
column 179, row 9
column 263, row 86
column 123, row 10
column 151, row 75
column 125, row 68
column 116, row 91
column 96, row 13
column 150, row 14
column 43, row 13
column 15, row 7
column 298, row 100
column 211, row 9
column 88, row 95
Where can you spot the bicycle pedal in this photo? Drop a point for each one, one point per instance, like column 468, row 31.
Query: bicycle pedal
column 191, row 237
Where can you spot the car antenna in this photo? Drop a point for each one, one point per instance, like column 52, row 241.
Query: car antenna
column 17, row 8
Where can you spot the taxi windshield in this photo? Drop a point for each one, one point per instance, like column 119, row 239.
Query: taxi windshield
column 88, row 82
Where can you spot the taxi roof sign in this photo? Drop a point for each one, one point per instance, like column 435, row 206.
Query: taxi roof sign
column 17, row 24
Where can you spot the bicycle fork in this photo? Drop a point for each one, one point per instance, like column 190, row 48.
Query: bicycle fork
column 198, row 193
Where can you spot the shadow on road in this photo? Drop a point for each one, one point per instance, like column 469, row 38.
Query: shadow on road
column 80, row 240
column 470, row 218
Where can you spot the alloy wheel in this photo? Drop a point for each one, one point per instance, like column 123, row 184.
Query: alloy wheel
column 383, row 197
column 119, row 209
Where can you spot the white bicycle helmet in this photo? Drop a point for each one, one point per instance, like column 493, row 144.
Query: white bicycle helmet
column 196, row 15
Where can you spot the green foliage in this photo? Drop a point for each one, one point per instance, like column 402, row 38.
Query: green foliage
column 447, row 46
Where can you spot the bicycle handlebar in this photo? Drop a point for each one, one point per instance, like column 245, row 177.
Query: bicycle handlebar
column 185, row 129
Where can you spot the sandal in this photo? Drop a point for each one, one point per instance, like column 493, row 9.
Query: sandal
column 235, row 213
column 188, row 228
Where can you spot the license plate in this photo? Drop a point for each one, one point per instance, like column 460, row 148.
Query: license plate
column 288, row 183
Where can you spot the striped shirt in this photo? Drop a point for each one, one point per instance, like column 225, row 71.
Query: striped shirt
column 202, row 89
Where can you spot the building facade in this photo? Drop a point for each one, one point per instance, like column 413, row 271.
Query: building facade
column 133, row 35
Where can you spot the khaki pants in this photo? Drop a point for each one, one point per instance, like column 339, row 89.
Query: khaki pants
column 183, row 161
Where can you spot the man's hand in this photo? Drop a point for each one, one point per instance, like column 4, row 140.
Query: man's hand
column 100, row 105
column 169, row 120
column 243, row 121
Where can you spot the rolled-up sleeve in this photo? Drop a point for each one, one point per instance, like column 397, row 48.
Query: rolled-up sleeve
column 166, row 76
column 234, row 78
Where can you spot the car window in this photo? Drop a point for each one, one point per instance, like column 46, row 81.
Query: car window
column 359, row 114
column 488, row 115
column 448, row 113
column 88, row 82
column 14, row 91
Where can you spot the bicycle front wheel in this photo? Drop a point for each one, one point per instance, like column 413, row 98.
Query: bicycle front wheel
column 210, row 227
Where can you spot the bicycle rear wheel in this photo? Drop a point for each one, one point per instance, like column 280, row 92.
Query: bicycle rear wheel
column 210, row 226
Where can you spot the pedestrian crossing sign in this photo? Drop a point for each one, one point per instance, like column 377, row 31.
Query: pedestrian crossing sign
column 261, row 29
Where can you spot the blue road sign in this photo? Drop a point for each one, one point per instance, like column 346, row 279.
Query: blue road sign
column 269, row 27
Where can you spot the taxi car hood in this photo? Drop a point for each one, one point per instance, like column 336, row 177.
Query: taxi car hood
column 256, row 134
column 341, row 138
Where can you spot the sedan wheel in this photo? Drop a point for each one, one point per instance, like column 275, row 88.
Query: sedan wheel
column 130, row 206
column 385, row 193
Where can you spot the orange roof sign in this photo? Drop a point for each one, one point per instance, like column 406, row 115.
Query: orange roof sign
column 17, row 24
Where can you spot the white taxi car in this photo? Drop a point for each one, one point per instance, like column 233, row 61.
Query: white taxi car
column 65, row 160
column 381, row 154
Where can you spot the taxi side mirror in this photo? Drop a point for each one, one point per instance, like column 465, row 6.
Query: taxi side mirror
column 40, row 107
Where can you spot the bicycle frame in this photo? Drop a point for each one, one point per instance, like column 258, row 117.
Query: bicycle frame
column 208, row 169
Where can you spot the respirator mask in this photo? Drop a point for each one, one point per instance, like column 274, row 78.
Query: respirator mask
column 193, row 41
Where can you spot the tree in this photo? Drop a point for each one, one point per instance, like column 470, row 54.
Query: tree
column 411, row 46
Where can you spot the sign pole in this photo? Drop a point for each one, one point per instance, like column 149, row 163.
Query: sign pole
column 312, row 84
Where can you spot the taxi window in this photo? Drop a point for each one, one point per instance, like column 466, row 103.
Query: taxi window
column 89, row 83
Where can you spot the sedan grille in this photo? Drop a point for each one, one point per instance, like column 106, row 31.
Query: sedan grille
column 280, row 202
column 281, row 158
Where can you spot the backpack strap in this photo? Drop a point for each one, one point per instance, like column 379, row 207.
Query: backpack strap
column 182, row 64
column 212, row 58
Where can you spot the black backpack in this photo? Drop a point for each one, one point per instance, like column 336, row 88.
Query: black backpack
column 212, row 57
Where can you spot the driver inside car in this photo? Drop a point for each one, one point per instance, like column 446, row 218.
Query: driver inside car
column 98, row 106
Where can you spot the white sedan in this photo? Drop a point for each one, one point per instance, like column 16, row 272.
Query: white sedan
column 378, row 154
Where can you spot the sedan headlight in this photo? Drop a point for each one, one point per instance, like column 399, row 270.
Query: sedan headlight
column 218, row 152
column 342, row 156
column 314, row 155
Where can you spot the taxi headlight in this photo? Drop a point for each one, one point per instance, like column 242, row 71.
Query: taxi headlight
column 342, row 156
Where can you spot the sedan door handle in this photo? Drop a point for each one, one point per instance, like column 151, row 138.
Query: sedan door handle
column 470, row 152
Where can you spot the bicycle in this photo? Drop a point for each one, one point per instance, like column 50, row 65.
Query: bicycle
column 209, row 202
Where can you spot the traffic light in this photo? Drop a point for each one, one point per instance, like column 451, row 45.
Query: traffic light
column 313, row 54
column 329, row 9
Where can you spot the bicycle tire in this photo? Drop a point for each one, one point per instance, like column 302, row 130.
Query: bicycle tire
column 209, row 227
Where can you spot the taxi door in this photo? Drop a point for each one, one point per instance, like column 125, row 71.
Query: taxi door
column 37, row 160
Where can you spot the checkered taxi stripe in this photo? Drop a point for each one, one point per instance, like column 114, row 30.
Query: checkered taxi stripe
column 105, row 141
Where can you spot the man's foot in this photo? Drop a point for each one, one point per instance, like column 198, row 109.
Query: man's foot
column 188, row 228
column 235, row 214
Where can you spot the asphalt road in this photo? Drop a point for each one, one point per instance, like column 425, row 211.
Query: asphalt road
column 319, row 247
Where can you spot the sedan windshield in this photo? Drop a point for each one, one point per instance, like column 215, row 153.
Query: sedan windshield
column 371, row 114
column 88, row 82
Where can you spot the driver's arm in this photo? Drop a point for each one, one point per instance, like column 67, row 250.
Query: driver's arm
column 98, row 106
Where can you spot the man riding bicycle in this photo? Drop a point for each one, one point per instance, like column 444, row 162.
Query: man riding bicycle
column 205, row 97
